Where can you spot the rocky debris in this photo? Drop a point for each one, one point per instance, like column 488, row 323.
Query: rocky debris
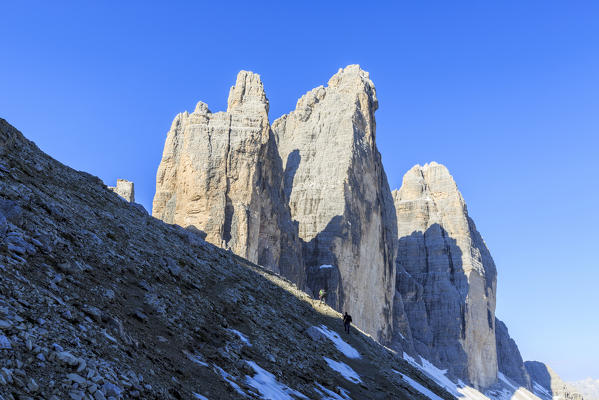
column 106, row 302
column 550, row 383
column 509, row 360
column 446, row 276
column 340, row 199
column 125, row 189
column 220, row 173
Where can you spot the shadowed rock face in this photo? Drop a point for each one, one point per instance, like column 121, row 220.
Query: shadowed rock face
column 340, row 198
column 221, row 173
column 449, row 270
column 509, row 360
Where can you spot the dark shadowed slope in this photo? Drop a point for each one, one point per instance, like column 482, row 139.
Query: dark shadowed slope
column 98, row 299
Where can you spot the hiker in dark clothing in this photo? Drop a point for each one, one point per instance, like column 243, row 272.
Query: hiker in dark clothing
column 322, row 295
column 346, row 321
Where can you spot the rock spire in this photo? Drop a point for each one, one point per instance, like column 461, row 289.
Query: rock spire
column 449, row 296
column 339, row 197
column 220, row 173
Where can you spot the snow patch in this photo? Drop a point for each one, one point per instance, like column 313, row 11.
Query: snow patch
column 344, row 369
column 339, row 343
column 196, row 358
column 425, row 391
column 241, row 336
column 436, row 374
column 330, row 395
column 325, row 266
column 198, row 396
column 463, row 392
column 269, row 387
column 229, row 379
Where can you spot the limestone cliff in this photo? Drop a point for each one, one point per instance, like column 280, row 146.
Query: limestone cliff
column 449, row 282
column 220, row 173
column 339, row 197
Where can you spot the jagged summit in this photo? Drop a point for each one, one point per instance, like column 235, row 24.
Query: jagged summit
column 430, row 177
column 248, row 94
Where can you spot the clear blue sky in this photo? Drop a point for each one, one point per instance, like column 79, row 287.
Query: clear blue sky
column 505, row 93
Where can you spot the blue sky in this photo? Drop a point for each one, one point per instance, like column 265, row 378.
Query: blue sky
column 505, row 94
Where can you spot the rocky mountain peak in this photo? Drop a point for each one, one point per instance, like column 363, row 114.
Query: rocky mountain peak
column 431, row 179
column 220, row 173
column 442, row 252
column 201, row 108
column 353, row 78
column 248, row 94
column 340, row 199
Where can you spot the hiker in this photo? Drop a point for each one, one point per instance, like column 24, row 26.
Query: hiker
column 322, row 295
column 346, row 321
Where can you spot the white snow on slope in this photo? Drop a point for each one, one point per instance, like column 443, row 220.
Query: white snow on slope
column 229, row 379
column 344, row 369
column 419, row 387
column 506, row 390
column 325, row 266
column 199, row 396
column 541, row 391
column 330, row 395
column 339, row 343
column 241, row 336
column 269, row 387
column 436, row 374
column 196, row 358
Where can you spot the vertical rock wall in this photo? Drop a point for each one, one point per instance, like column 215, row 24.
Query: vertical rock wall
column 450, row 272
column 340, row 198
column 220, row 173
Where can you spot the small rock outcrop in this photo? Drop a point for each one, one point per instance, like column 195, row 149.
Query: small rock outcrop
column 221, row 174
column 446, row 276
column 541, row 374
column 340, row 199
column 125, row 189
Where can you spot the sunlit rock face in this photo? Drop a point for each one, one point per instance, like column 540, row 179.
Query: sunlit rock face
column 447, row 278
column 340, row 199
column 220, row 173
column 125, row 189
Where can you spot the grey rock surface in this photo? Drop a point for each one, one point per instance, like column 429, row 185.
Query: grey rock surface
column 106, row 302
column 125, row 189
column 340, row 199
column 446, row 276
column 509, row 360
column 220, row 173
